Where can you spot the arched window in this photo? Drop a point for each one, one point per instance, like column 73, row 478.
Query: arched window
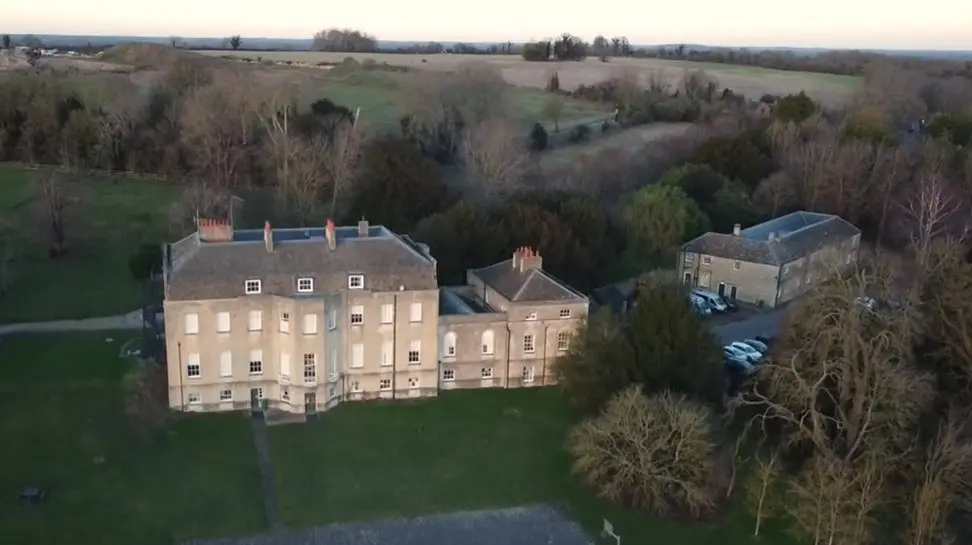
column 487, row 342
column 449, row 345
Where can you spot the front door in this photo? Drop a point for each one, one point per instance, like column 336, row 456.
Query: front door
column 732, row 293
column 310, row 403
column 255, row 402
column 688, row 279
column 722, row 289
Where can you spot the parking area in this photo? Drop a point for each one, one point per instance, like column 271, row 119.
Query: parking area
column 748, row 324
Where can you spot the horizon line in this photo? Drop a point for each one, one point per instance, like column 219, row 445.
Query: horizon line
column 482, row 41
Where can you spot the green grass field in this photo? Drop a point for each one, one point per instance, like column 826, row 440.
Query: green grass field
column 64, row 429
column 382, row 105
column 464, row 450
column 106, row 219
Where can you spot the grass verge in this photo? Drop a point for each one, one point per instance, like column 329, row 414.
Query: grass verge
column 64, row 429
column 106, row 219
column 463, row 450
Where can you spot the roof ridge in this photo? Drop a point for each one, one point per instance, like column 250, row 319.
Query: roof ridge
column 526, row 282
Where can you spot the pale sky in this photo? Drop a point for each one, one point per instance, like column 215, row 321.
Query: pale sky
column 903, row 24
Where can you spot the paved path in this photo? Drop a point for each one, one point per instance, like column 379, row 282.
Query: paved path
column 267, row 475
column 132, row 320
column 765, row 323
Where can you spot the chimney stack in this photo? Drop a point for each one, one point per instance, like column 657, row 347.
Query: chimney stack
column 736, row 229
column 530, row 259
column 210, row 230
column 516, row 257
column 329, row 233
column 268, row 236
column 363, row 228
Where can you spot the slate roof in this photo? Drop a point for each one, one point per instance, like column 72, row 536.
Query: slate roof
column 218, row 270
column 531, row 285
column 615, row 295
column 795, row 235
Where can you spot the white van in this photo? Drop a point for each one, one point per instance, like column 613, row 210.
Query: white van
column 700, row 304
column 716, row 302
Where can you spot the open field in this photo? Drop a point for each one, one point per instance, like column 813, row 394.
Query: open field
column 462, row 451
column 64, row 429
column 624, row 140
column 751, row 81
column 380, row 95
column 106, row 219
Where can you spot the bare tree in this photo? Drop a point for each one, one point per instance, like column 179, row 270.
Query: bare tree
column 843, row 378
column 760, row 487
column 656, row 453
column 495, row 151
column 930, row 213
column 944, row 474
column 210, row 132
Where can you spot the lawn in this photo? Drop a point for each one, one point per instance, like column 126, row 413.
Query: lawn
column 382, row 106
column 64, row 429
column 106, row 219
column 463, row 450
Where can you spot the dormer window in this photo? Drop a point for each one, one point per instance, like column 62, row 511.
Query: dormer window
column 305, row 285
column 356, row 282
column 252, row 287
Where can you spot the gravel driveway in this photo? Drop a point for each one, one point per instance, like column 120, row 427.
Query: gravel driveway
column 534, row 525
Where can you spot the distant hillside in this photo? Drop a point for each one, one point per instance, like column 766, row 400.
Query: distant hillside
column 295, row 44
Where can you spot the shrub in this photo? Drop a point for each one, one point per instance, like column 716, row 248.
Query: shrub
column 579, row 134
column 657, row 453
column 538, row 138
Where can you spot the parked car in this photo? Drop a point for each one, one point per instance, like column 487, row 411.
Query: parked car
column 717, row 303
column 735, row 365
column 733, row 352
column 754, row 355
column 700, row 305
column 758, row 345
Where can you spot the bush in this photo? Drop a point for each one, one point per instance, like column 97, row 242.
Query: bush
column 656, row 453
column 538, row 138
column 579, row 134
column 796, row 108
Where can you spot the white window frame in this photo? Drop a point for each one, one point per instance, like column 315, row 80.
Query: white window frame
column 191, row 323
column 355, row 386
column 387, row 313
column 194, row 366
column 448, row 375
column 486, row 373
column 305, row 285
column 387, row 354
column 528, row 374
column 564, row 313
column 706, row 260
column 285, row 393
column 414, row 383
column 254, row 320
column 449, row 345
column 252, row 287
column 415, row 352
column 383, row 382
column 310, row 324
column 225, row 398
column 689, row 258
column 256, row 356
column 285, row 364
column 415, row 312
column 355, row 281
column 309, row 362
column 332, row 319
column 356, row 310
column 194, row 398
column 563, row 341
column 226, row 363
column 285, row 322
column 357, row 356
column 488, row 349
column 221, row 326
column 532, row 316
column 736, row 265
column 529, row 343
